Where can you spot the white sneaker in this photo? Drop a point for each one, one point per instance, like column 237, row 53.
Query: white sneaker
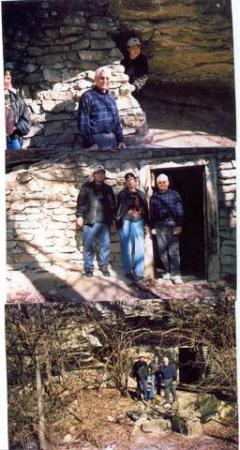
column 177, row 279
column 166, row 276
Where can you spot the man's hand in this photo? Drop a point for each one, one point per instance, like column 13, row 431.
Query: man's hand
column 10, row 128
column 177, row 231
column 154, row 232
column 93, row 147
column 121, row 145
column 146, row 228
column 80, row 222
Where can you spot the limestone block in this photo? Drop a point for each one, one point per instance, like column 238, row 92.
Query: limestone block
column 98, row 34
column 230, row 173
column 226, row 181
column 226, row 165
column 81, row 44
column 52, row 75
column 100, row 44
column 228, row 188
column 52, row 33
column 29, row 68
column 93, row 55
column 82, row 84
column 35, row 51
column 115, row 55
column 34, row 78
column 105, row 24
column 44, row 59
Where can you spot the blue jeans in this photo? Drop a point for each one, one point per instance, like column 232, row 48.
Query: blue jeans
column 132, row 246
column 152, row 388
column 13, row 143
column 97, row 234
column 141, row 386
column 105, row 141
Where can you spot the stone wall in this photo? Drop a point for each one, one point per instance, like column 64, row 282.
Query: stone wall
column 41, row 202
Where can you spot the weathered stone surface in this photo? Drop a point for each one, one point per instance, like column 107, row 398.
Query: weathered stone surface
column 52, row 75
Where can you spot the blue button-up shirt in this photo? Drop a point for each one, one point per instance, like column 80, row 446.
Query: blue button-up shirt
column 166, row 207
column 98, row 113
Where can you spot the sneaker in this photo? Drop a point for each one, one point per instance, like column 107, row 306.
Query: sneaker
column 88, row 273
column 105, row 271
column 177, row 279
column 166, row 276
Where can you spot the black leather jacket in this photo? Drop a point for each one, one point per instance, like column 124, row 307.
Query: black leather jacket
column 87, row 202
column 22, row 117
column 122, row 207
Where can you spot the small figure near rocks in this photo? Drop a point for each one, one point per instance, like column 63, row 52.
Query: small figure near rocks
column 166, row 218
column 98, row 117
column 16, row 114
column 168, row 373
column 95, row 213
column 155, row 378
column 136, row 66
column 140, row 372
column 132, row 220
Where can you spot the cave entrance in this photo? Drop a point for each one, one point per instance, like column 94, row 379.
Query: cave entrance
column 199, row 243
column 190, row 365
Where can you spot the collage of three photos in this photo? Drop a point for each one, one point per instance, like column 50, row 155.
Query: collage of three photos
column 121, row 225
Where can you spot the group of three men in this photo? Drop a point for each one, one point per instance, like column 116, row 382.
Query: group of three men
column 97, row 211
column 158, row 374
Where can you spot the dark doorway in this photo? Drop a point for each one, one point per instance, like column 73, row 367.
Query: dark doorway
column 189, row 181
column 189, row 368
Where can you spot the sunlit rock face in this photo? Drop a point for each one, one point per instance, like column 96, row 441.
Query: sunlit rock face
column 186, row 42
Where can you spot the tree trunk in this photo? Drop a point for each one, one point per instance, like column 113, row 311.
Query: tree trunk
column 41, row 417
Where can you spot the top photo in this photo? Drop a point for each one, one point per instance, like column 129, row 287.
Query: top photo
column 170, row 73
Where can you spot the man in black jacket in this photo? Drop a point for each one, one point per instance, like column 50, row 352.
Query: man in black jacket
column 132, row 219
column 140, row 372
column 16, row 113
column 136, row 66
column 95, row 213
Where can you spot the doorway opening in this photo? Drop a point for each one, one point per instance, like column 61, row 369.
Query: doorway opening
column 190, row 365
column 189, row 183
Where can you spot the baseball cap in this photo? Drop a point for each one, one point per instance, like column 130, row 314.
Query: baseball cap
column 130, row 173
column 132, row 42
column 98, row 168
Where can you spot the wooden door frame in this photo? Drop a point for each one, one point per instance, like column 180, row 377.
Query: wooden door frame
column 210, row 202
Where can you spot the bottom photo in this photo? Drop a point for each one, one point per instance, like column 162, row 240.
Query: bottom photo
column 122, row 376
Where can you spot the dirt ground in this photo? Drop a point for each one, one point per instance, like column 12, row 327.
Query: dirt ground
column 105, row 426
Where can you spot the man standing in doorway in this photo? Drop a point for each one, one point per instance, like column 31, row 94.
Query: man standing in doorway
column 95, row 213
column 154, row 374
column 166, row 218
column 168, row 373
column 98, row 117
column 132, row 220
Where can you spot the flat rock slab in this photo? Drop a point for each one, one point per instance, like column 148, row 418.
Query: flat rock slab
column 187, row 138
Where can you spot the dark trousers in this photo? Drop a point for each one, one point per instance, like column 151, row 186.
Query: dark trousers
column 169, row 388
column 168, row 248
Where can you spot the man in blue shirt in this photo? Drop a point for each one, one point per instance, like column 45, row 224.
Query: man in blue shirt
column 98, row 117
column 166, row 218
column 168, row 373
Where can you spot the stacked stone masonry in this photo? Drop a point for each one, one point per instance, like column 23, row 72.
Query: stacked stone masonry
column 41, row 203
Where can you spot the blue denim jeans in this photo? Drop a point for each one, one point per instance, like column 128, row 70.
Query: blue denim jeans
column 105, row 141
column 132, row 246
column 13, row 143
column 97, row 234
column 141, row 387
column 152, row 388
